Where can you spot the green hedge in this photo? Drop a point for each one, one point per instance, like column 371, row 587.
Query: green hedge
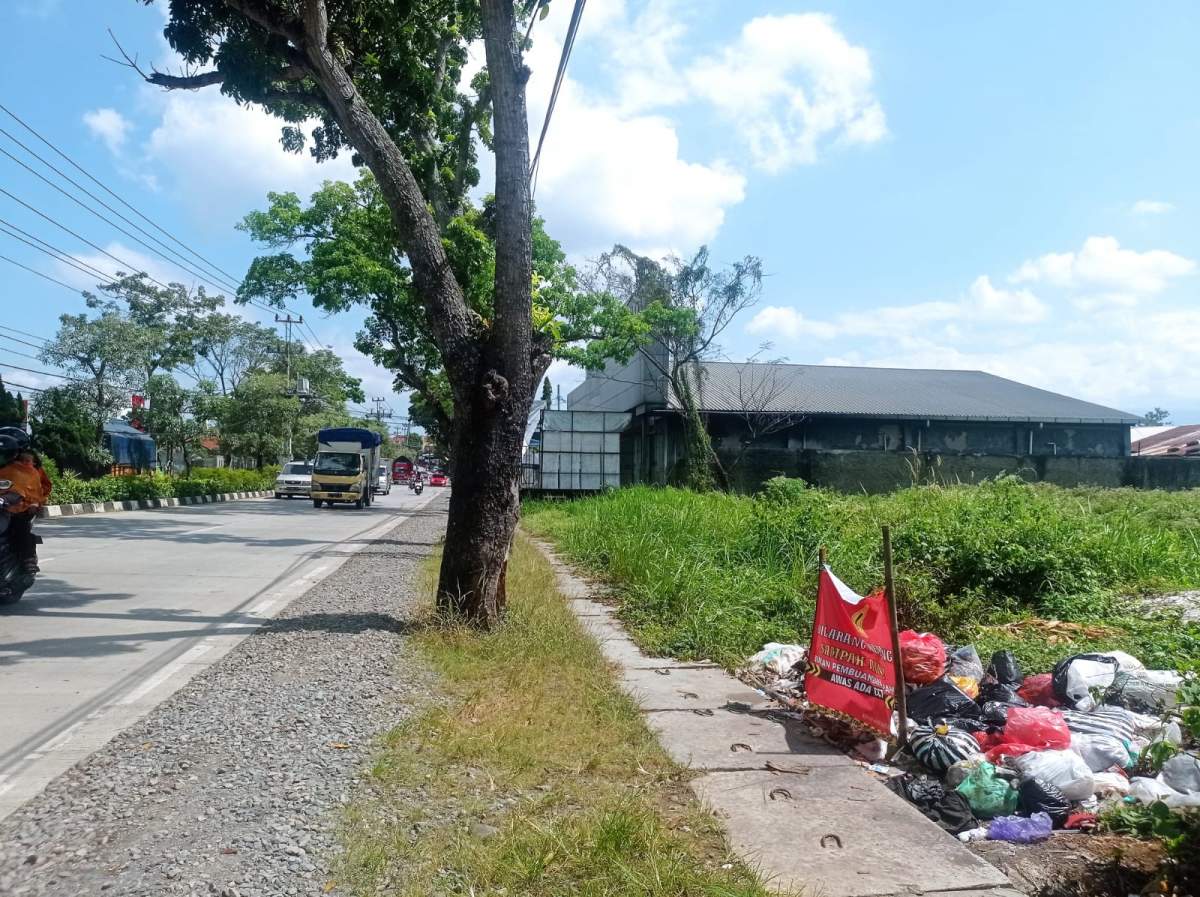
column 70, row 488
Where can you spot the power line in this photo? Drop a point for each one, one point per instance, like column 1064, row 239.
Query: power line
column 564, row 58
column 21, row 341
column 53, row 251
column 39, row 274
column 114, row 195
column 211, row 265
column 23, row 333
column 23, row 386
column 117, row 227
column 97, row 199
column 124, row 264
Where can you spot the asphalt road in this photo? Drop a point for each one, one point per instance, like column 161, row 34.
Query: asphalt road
column 130, row 606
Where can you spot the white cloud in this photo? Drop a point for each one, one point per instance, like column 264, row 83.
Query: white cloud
column 131, row 262
column 789, row 323
column 222, row 159
column 110, row 126
column 608, row 175
column 790, row 85
column 1015, row 306
column 1152, row 207
column 1102, row 268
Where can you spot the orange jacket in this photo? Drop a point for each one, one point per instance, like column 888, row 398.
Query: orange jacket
column 30, row 482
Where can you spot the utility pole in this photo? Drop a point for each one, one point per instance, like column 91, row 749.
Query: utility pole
column 287, row 323
column 381, row 412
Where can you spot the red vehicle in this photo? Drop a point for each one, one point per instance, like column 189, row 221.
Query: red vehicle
column 402, row 470
column 438, row 478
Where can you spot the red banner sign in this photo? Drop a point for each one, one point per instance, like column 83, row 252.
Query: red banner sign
column 851, row 667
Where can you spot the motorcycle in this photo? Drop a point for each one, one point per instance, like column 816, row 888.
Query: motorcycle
column 416, row 486
column 15, row 580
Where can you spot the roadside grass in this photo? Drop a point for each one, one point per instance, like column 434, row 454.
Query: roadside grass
column 717, row 576
column 530, row 737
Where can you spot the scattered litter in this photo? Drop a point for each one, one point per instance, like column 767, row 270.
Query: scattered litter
column 778, row 658
column 1030, row 753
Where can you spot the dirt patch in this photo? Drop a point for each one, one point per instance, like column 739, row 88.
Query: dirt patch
column 1076, row 865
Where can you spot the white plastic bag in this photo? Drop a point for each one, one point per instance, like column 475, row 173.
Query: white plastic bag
column 778, row 658
column 1182, row 773
column 1109, row 783
column 1147, row 791
column 1100, row 752
column 1065, row 769
column 1127, row 663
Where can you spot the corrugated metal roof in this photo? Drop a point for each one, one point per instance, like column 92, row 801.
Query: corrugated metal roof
column 890, row 392
column 1182, row 441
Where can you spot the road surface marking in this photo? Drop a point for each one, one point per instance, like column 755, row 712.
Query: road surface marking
column 354, row 543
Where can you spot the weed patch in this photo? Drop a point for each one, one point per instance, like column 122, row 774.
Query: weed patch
column 712, row 575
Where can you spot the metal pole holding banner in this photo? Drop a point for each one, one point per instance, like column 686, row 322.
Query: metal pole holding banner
column 822, row 558
column 889, row 584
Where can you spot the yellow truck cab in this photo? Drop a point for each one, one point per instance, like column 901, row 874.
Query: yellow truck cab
column 344, row 471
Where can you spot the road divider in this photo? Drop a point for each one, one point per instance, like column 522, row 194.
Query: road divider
column 112, row 507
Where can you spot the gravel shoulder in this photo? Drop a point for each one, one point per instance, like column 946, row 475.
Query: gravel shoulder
column 233, row 785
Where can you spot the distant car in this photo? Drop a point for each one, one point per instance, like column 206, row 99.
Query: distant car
column 294, row 479
column 438, row 478
column 383, row 480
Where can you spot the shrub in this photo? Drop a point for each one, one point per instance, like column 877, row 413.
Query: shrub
column 718, row 575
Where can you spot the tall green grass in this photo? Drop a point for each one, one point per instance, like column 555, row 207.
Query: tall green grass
column 713, row 575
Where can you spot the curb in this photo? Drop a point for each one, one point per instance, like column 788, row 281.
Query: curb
column 113, row 507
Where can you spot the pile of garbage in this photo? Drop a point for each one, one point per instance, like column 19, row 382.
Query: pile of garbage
column 1010, row 757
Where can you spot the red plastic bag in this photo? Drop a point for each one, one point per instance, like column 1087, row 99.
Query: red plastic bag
column 1041, row 727
column 1039, row 690
column 923, row 656
column 997, row 754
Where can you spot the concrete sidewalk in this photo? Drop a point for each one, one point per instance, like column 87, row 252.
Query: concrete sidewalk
column 799, row 811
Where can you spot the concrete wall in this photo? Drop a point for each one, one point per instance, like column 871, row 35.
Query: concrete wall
column 880, row 471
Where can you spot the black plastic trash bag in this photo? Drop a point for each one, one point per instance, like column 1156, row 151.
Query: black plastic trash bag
column 966, row 724
column 1074, row 678
column 1001, row 692
column 1040, row 796
column 1005, row 669
column 941, row 700
column 949, row 809
column 995, row 713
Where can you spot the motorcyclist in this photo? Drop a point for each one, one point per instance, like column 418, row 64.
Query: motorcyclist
column 19, row 465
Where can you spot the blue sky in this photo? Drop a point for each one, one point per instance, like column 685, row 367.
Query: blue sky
column 1011, row 188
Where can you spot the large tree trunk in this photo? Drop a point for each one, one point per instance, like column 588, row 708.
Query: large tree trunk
column 489, row 428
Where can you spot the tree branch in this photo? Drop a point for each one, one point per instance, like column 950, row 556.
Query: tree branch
column 450, row 319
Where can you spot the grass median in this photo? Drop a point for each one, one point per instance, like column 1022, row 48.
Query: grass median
column 530, row 774
column 1045, row 571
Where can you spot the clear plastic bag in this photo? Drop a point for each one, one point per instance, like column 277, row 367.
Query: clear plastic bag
column 965, row 669
column 1021, row 829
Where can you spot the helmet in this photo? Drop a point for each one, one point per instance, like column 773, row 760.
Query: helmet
column 12, row 441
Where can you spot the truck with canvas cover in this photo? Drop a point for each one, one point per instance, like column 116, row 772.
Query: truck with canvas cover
column 347, row 458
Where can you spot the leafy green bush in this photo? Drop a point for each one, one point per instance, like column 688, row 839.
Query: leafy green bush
column 717, row 575
column 70, row 488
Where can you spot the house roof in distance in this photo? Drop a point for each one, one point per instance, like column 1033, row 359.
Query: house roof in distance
column 1183, row 441
column 890, row 392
